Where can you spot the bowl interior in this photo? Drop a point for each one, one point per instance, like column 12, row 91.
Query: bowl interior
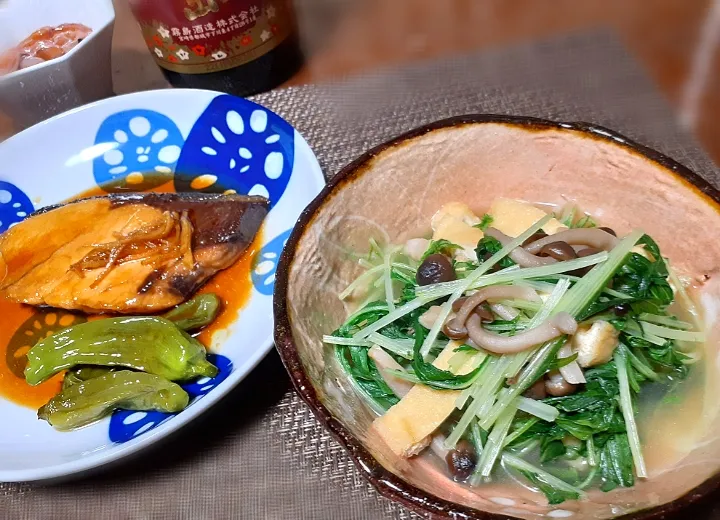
column 391, row 194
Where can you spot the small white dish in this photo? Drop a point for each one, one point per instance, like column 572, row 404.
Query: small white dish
column 81, row 76
column 249, row 148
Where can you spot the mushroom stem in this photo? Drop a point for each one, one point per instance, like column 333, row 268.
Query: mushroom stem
column 495, row 292
column 519, row 255
column 561, row 323
column 505, row 312
column 437, row 446
column 572, row 373
column 593, row 237
column 385, row 362
column 557, row 386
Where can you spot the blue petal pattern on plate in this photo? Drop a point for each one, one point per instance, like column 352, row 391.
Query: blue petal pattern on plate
column 126, row 425
column 145, row 150
column 237, row 145
column 265, row 264
column 14, row 205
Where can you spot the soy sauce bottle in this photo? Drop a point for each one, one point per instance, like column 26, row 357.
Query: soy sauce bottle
column 237, row 46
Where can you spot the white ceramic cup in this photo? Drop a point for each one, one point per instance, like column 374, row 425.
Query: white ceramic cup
column 82, row 75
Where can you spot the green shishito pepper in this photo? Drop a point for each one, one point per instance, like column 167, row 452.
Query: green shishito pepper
column 149, row 344
column 87, row 401
column 83, row 373
column 195, row 313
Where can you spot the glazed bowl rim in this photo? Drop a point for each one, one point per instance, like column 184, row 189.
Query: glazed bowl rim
column 384, row 481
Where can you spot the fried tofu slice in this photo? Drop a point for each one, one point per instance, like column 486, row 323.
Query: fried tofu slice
column 595, row 345
column 407, row 427
column 454, row 222
column 512, row 217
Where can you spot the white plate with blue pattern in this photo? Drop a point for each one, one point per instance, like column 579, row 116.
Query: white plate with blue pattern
column 233, row 143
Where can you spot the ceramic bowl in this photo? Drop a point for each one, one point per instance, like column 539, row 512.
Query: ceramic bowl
column 115, row 142
column 82, row 75
column 393, row 190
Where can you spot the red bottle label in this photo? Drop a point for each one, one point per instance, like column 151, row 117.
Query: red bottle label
column 200, row 36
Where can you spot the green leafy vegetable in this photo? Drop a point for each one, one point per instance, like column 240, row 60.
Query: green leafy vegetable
column 555, row 489
column 591, row 411
column 574, row 301
column 668, row 357
column 567, row 216
column 537, row 408
column 595, row 426
column 628, row 409
column 442, row 246
column 584, row 222
column 369, row 314
column 465, row 348
column 651, row 247
column 488, row 246
column 615, row 462
column 509, row 326
column 603, row 303
column 485, row 222
column 376, row 252
column 478, row 436
column 664, row 358
column 401, row 275
column 582, row 425
column 521, row 425
column 432, row 376
column 408, row 293
column 601, row 388
column 563, row 362
column 494, row 446
column 644, row 279
column 552, row 450
column 672, row 399
column 554, row 495
column 363, row 372
column 671, row 333
column 668, row 321
column 640, row 365
column 462, row 269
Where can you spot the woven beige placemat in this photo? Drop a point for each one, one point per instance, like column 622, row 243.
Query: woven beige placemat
column 260, row 454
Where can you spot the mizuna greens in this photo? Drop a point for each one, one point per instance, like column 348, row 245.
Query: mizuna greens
column 599, row 325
